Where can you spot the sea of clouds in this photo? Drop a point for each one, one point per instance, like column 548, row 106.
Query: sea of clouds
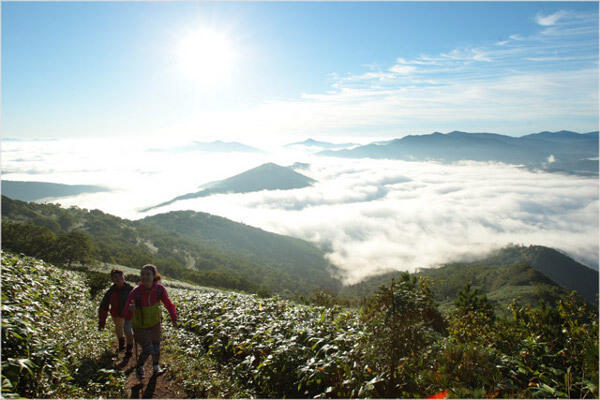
column 370, row 215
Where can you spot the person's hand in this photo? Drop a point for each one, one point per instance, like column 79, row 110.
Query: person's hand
column 131, row 308
column 175, row 325
column 100, row 327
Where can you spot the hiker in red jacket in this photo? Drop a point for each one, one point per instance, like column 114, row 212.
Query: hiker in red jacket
column 114, row 299
column 142, row 307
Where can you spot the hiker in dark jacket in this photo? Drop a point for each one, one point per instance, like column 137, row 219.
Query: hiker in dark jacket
column 143, row 309
column 115, row 299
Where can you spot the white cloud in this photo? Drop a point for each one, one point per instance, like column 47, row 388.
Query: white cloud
column 378, row 214
column 518, row 85
column 550, row 19
column 373, row 214
column 403, row 69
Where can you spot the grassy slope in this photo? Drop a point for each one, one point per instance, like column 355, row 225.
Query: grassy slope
column 167, row 281
column 557, row 266
column 50, row 345
column 295, row 257
column 530, row 272
column 276, row 262
column 501, row 284
column 229, row 345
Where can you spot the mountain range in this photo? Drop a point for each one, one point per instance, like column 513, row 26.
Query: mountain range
column 32, row 191
column 217, row 146
column 563, row 151
column 267, row 176
column 320, row 144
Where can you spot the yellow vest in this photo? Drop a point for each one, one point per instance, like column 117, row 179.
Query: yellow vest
column 146, row 316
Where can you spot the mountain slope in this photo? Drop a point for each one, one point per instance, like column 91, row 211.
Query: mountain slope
column 222, row 253
column 554, row 151
column 267, row 176
column 500, row 283
column 558, row 267
column 533, row 272
column 31, row 191
column 295, row 256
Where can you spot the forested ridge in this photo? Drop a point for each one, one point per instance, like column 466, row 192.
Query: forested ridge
column 232, row 255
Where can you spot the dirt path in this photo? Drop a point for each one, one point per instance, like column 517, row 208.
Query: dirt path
column 162, row 386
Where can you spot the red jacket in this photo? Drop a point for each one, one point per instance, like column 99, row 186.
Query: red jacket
column 114, row 299
column 141, row 289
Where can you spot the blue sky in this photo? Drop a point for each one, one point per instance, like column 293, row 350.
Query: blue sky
column 294, row 70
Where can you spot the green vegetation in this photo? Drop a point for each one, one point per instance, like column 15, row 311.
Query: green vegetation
column 213, row 252
column 299, row 263
column 39, row 241
column 49, row 345
column 557, row 266
column 398, row 344
column 500, row 283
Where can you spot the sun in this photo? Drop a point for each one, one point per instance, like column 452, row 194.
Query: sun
column 205, row 56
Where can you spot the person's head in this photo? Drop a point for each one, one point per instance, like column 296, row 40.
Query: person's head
column 117, row 277
column 149, row 275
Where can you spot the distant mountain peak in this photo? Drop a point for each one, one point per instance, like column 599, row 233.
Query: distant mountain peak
column 318, row 143
column 270, row 165
column 267, row 176
column 216, row 146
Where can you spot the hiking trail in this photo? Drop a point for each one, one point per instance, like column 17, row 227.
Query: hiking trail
column 161, row 386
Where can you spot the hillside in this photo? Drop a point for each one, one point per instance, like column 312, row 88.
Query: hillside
column 46, row 352
column 231, row 345
column 196, row 257
column 267, row 176
column 534, row 273
column 32, row 191
column 559, row 267
column 284, row 253
column 563, row 151
column 501, row 284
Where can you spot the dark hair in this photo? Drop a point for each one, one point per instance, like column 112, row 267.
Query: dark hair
column 116, row 272
column 154, row 271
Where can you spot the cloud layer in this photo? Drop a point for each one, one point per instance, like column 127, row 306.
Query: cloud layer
column 406, row 215
column 370, row 215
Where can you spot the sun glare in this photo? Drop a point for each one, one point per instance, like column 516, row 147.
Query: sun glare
column 205, row 56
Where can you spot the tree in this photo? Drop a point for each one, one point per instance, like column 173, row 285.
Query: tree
column 73, row 246
column 402, row 320
column 469, row 300
column 65, row 220
column 474, row 317
column 37, row 241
